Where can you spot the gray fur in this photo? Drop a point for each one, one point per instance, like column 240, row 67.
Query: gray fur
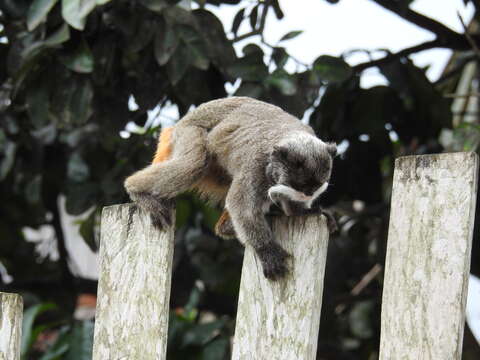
column 248, row 146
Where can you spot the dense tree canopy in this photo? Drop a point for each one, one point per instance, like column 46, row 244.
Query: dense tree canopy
column 67, row 72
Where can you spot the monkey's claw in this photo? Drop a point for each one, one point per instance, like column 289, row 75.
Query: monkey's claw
column 274, row 261
column 160, row 210
column 331, row 222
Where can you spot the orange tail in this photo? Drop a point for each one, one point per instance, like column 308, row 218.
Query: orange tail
column 164, row 147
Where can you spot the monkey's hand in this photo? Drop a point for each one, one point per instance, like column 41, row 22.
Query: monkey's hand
column 331, row 222
column 160, row 210
column 274, row 260
column 282, row 201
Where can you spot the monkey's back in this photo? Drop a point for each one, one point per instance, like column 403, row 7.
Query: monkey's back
column 239, row 135
column 247, row 134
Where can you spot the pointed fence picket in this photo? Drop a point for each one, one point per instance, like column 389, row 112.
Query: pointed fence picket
column 425, row 286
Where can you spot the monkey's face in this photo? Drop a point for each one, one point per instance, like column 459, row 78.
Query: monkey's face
column 304, row 166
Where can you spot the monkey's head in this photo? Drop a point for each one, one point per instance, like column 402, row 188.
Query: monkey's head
column 302, row 163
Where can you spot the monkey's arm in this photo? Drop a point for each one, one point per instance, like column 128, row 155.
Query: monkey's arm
column 244, row 203
column 284, row 205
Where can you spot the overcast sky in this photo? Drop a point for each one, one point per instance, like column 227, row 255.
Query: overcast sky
column 354, row 24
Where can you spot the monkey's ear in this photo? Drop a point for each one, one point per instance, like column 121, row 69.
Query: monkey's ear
column 332, row 149
column 279, row 153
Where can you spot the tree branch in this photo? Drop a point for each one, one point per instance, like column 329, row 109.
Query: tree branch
column 394, row 56
column 443, row 32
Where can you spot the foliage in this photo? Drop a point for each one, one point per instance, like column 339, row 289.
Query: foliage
column 73, row 340
column 67, row 71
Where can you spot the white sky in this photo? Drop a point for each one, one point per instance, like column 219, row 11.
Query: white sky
column 354, row 24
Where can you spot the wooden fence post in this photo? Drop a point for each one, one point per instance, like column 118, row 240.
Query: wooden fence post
column 428, row 256
column 134, row 286
column 280, row 320
column 11, row 314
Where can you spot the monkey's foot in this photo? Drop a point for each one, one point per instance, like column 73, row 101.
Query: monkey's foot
column 224, row 227
column 274, row 260
column 160, row 210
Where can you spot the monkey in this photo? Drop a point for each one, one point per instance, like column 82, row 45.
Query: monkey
column 246, row 156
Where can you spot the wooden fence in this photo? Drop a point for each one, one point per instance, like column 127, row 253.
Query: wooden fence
column 425, row 285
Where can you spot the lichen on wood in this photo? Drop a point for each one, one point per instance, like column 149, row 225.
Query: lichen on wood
column 428, row 256
column 11, row 314
column 280, row 319
column 134, row 286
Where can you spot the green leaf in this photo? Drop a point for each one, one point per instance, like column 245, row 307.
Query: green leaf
column 38, row 102
column 75, row 12
column 29, row 317
column 278, row 11
column 7, row 155
column 237, row 20
column 291, row 35
column 72, row 104
column 196, row 47
column 280, row 57
column 154, row 5
column 332, row 69
column 58, row 37
column 251, row 49
column 81, row 197
column 55, row 354
column 178, row 15
column 81, row 60
column 183, row 211
column 33, row 190
column 14, row 8
column 216, row 349
column 77, row 169
column 81, row 341
column 178, row 64
column 45, row 135
column 249, row 89
column 283, row 81
column 102, row 2
column 253, row 17
column 219, row 49
column 60, row 346
column 87, row 230
column 38, row 11
column 166, row 42
column 203, row 333
column 250, row 67
column 360, row 319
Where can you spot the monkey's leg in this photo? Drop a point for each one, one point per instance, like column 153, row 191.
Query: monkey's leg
column 224, row 226
column 154, row 187
column 244, row 203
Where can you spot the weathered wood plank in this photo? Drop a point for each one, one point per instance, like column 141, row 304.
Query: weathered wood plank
column 280, row 320
column 134, row 286
column 428, row 257
column 11, row 314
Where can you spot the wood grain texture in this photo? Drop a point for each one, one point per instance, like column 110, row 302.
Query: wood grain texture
column 428, row 257
column 134, row 286
column 11, row 314
column 280, row 320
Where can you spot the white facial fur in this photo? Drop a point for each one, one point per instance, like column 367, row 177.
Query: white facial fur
column 294, row 195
